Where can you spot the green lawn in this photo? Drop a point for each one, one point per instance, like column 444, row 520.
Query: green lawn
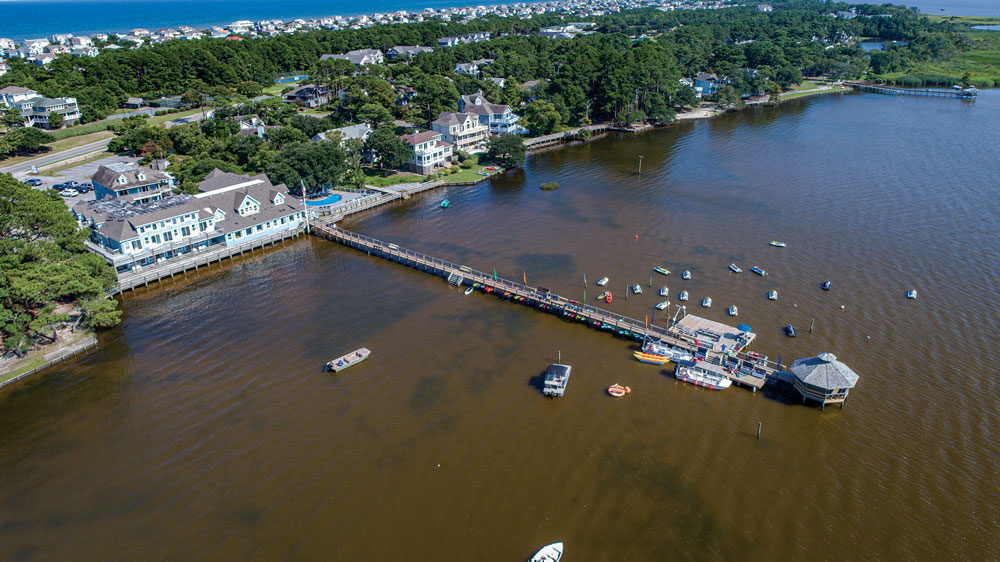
column 966, row 20
column 275, row 89
column 78, row 130
column 812, row 91
column 982, row 62
column 374, row 178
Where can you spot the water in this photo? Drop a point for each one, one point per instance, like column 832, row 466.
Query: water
column 979, row 8
column 203, row 427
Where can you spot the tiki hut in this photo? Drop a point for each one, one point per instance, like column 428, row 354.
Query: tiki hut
column 823, row 379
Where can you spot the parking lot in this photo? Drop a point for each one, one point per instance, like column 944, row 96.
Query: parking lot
column 79, row 174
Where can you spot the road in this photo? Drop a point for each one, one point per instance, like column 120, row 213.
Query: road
column 44, row 160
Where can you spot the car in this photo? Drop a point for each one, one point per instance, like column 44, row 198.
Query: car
column 69, row 192
column 71, row 183
column 59, row 186
column 84, row 187
column 33, row 182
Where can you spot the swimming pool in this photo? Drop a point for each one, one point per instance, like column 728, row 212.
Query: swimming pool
column 328, row 200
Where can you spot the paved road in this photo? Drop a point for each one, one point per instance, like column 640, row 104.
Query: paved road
column 99, row 146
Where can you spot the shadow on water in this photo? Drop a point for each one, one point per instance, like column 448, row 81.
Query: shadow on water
column 537, row 381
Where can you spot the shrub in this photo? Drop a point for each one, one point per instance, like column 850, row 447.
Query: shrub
column 550, row 185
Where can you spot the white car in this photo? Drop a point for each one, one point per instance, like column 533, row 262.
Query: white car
column 69, row 192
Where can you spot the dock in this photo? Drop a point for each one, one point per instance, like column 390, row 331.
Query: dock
column 965, row 94
column 716, row 346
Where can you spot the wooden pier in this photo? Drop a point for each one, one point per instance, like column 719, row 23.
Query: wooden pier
column 717, row 347
column 966, row 94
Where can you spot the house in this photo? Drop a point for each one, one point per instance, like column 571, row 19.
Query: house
column 500, row 82
column 230, row 210
column 251, row 125
column 131, row 183
column 7, row 44
column 35, row 109
column 429, row 151
column 498, row 118
column 473, row 68
column 404, row 51
column 84, row 51
column 463, row 130
column 134, row 103
column 81, row 42
column 467, row 38
column 706, row 83
column 359, row 57
column 309, row 95
column 359, row 132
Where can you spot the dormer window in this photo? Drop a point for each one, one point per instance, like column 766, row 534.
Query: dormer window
column 122, row 180
column 140, row 176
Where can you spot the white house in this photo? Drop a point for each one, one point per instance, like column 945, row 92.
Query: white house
column 463, row 130
column 429, row 151
column 359, row 57
column 499, row 118
column 35, row 109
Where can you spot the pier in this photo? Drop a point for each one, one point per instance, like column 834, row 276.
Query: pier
column 717, row 347
column 966, row 94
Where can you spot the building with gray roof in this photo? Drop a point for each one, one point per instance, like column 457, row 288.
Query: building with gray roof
column 131, row 182
column 823, row 379
column 36, row 109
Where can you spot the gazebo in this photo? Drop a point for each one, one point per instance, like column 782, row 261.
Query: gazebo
column 823, row 379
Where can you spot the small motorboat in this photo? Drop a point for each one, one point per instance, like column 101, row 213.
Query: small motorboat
column 602, row 296
column 758, row 271
column 664, row 291
column 662, row 305
column 732, row 310
column 790, row 331
column 445, row 203
column 549, row 553
column 636, row 289
column 706, row 302
column 683, row 296
column 349, row 360
column 651, row 358
column 699, row 377
column 609, row 298
column 618, row 390
column 826, row 285
column 602, row 281
column 469, row 290
column 686, row 274
column 911, row 294
column 661, row 270
column 735, row 268
column 777, row 244
column 772, row 295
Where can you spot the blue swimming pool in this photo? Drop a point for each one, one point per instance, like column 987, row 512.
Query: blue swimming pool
column 328, row 200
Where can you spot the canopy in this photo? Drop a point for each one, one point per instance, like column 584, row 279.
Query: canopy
column 744, row 328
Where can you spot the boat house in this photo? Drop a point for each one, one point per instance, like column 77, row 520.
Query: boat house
column 823, row 379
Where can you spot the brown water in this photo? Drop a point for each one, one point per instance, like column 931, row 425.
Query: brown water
column 203, row 428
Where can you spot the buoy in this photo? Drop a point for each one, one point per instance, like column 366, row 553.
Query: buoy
column 636, row 236
column 841, row 307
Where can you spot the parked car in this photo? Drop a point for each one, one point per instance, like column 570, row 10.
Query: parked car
column 69, row 192
column 61, row 186
column 33, row 182
column 71, row 183
column 85, row 187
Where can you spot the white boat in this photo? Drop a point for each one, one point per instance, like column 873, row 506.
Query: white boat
column 735, row 268
column 602, row 281
column 772, row 295
column 911, row 294
column 686, row 274
column 699, row 377
column 675, row 354
column 683, row 296
column 549, row 553
column 706, row 302
column 469, row 290
column 662, row 305
column 636, row 289
column 777, row 244
column 664, row 291
column 732, row 310
column 758, row 271
column 345, row 361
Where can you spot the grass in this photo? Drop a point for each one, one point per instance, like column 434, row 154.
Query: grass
column 982, row 62
column 810, row 92
column 374, row 178
column 52, row 171
column 275, row 89
column 966, row 20
column 79, row 130
column 21, row 369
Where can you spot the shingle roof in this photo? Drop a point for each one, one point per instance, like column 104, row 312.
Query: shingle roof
column 107, row 175
column 421, row 137
column 449, row 118
column 13, row 90
column 824, row 371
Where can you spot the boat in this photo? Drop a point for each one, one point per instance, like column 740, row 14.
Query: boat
column 549, row 553
column 618, row 390
column 772, row 295
column 445, row 203
column 661, row 270
column 349, row 360
column 698, row 377
column 664, row 291
column 602, row 296
column 683, row 296
column 556, row 379
column 651, row 358
column 735, row 268
column 790, row 331
column 469, row 290
column 662, row 305
column 732, row 310
column 636, row 289
column 777, row 244
column 675, row 354
column 609, row 298
column 686, row 274
column 911, row 294
column 758, row 271
column 826, row 285
column 706, row 302
column 602, row 281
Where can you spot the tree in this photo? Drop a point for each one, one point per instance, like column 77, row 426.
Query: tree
column 55, row 120
column 506, row 150
column 542, row 117
column 374, row 114
column 390, row 151
column 434, row 95
column 23, row 140
column 728, row 97
column 249, row 88
column 10, row 117
column 316, row 164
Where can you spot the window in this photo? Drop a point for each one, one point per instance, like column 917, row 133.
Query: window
column 168, row 236
column 186, row 231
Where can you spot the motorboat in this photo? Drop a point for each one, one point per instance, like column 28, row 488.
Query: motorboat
column 911, row 294
column 758, row 271
column 618, row 390
column 662, row 305
column 556, row 379
column 664, row 291
column 685, row 274
column 826, row 285
column 651, row 358
column 790, row 331
column 349, row 360
column 732, row 310
column 735, row 268
column 445, row 203
column 706, row 302
column 602, row 296
column 777, row 244
column 661, row 270
column 683, row 296
column 549, row 553
column 602, row 281
column 654, row 349
column 699, row 377
column 772, row 295
column 636, row 289
column 469, row 290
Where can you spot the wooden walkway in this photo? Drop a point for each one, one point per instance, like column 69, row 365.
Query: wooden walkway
column 967, row 94
column 744, row 369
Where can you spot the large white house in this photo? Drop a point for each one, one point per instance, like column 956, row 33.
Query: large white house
column 463, row 130
column 359, row 57
column 428, row 151
column 35, row 109
column 500, row 119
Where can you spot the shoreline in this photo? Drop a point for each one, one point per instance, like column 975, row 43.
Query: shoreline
column 41, row 358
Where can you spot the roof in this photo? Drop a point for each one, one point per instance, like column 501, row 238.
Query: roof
column 359, row 131
column 477, row 104
column 824, row 371
column 421, row 137
column 449, row 118
column 13, row 90
column 706, row 76
column 217, row 179
column 108, row 174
